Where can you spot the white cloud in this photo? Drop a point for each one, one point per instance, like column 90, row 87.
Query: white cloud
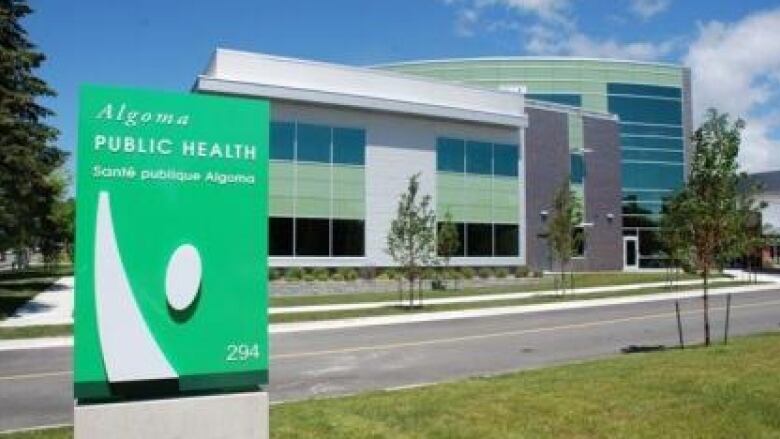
column 646, row 9
column 736, row 68
column 555, row 31
column 545, row 40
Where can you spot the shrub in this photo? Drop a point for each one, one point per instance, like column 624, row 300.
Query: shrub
column 320, row 273
column 293, row 274
column 467, row 272
column 454, row 273
column 522, row 271
column 502, row 272
column 538, row 274
column 485, row 272
column 309, row 277
column 429, row 273
column 348, row 273
column 393, row 273
column 337, row 276
column 275, row 274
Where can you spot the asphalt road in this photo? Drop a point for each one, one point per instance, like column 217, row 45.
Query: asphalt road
column 35, row 385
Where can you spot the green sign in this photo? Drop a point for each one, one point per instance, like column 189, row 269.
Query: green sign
column 171, row 244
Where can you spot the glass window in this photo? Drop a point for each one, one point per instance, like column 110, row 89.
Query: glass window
column 280, row 236
column 507, row 239
column 652, row 176
column 650, row 130
column 652, row 263
column 460, row 227
column 505, row 160
column 312, row 237
column 650, row 243
column 657, row 196
column 648, row 110
column 348, row 237
column 651, row 142
column 313, row 143
column 282, row 139
column 653, row 155
column 479, row 158
column 479, row 239
column 642, row 208
column 643, row 90
column 557, row 98
column 577, row 168
column 349, row 146
column 641, row 220
column 450, row 155
column 578, row 235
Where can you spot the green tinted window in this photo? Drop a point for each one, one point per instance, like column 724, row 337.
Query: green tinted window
column 653, row 155
column 557, row 98
column 642, row 208
column 349, row 146
column 450, row 154
column 649, row 175
column 643, row 90
column 654, row 130
column 505, row 160
column 282, row 137
column 651, row 142
column 479, row 158
column 577, row 168
column 313, row 143
column 652, row 196
column 648, row 110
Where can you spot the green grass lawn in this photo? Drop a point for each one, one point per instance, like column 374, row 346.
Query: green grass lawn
column 719, row 392
column 397, row 310
column 581, row 280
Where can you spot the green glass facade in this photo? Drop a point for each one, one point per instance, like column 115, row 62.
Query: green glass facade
column 316, row 190
column 477, row 182
column 650, row 100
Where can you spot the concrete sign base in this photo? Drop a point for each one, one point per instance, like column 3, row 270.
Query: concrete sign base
column 235, row 416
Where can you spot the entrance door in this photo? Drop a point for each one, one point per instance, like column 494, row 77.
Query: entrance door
column 630, row 253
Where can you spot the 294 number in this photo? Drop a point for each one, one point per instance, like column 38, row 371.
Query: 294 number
column 242, row 352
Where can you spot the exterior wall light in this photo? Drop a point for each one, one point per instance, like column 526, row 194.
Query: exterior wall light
column 610, row 217
column 543, row 214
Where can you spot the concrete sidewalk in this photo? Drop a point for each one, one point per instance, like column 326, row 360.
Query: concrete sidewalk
column 484, row 297
column 412, row 317
column 54, row 306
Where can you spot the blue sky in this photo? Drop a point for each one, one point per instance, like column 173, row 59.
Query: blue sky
column 733, row 47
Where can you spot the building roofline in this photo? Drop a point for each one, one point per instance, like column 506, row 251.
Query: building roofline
column 527, row 58
column 350, row 68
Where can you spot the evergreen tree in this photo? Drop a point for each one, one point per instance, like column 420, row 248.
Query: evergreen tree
column 27, row 156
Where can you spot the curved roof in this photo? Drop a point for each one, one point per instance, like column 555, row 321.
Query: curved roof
column 528, row 58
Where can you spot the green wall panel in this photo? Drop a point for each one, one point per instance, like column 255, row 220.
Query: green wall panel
column 478, row 198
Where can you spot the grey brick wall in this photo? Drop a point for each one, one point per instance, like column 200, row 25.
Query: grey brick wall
column 547, row 167
column 604, row 249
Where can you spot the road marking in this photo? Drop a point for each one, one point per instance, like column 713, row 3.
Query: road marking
column 446, row 340
column 501, row 334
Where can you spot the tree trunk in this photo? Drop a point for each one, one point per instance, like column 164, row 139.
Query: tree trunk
column 706, row 308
